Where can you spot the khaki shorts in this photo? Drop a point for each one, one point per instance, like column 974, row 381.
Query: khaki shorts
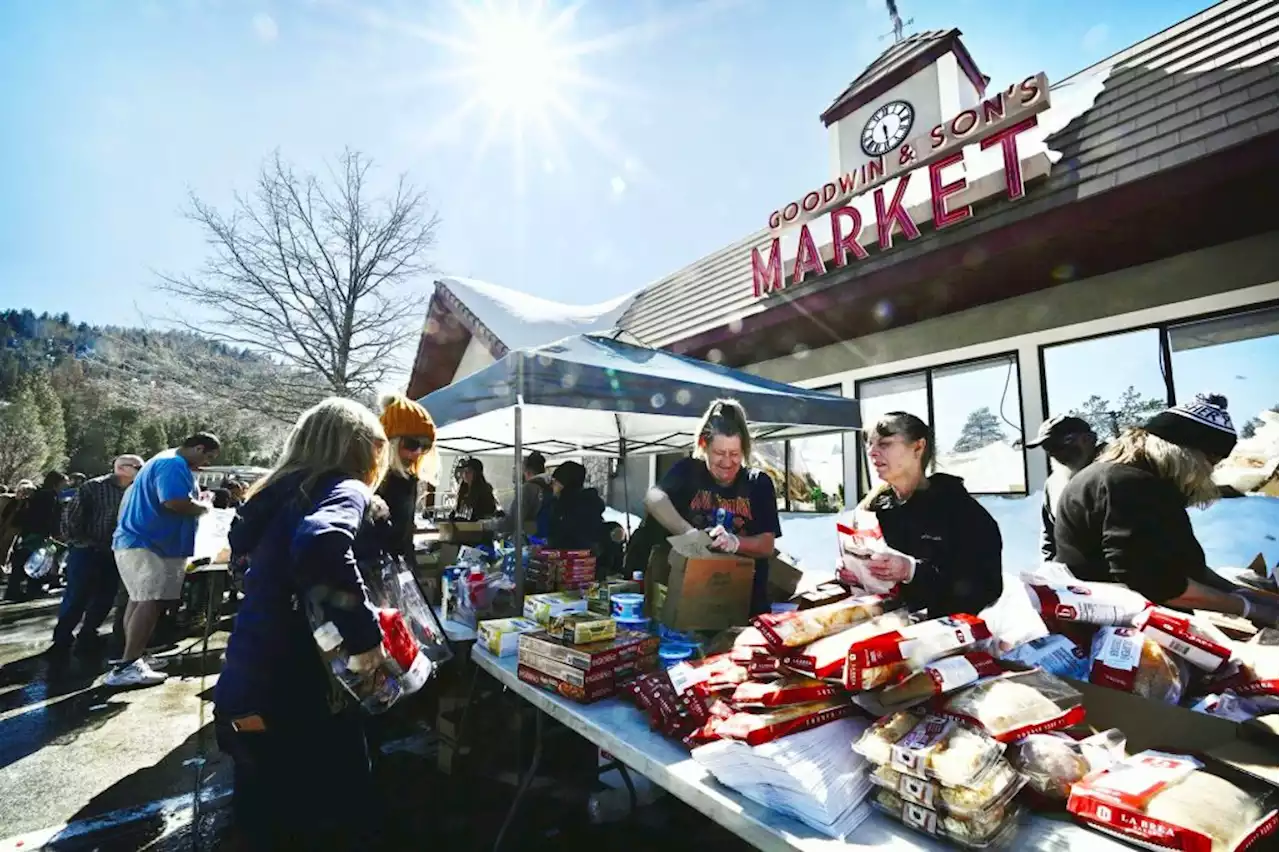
column 147, row 576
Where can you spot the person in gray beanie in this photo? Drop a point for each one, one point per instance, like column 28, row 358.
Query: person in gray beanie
column 1124, row 518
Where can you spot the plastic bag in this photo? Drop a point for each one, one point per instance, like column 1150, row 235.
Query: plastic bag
column 994, row 788
column 827, row 657
column 1053, row 762
column 1012, row 619
column 796, row 628
column 1016, row 704
column 1124, row 659
column 941, row 677
column 1106, row 604
column 887, row 657
column 790, row 690
column 1054, row 653
column 859, row 537
column 757, row 728
column 934, row 747
column 399, row 591
column 42, row 561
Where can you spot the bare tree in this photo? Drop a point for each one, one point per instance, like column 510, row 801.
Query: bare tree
column 315, row 275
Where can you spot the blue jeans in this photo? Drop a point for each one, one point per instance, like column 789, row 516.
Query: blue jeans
column 92, row 580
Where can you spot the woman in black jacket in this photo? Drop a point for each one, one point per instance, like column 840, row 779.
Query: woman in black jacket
column 577, row 512
column 945, row 546
column 412, row 436
column 475, row 495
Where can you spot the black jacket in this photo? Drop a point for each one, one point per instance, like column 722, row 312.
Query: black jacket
column 41, row 515
column 577, row 520
column 395, row 535
column 955, row 540
column 1120, row 523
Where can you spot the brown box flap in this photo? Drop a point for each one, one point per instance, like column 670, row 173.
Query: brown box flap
column 707, row 592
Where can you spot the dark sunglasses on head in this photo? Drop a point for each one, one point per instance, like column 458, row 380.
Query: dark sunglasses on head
column 415, row 444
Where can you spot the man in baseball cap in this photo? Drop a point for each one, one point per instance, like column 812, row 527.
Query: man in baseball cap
column 1071, row 442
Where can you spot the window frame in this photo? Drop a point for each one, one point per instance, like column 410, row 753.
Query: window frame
column 1165, row 354
column 836, row 389
column 862, row 474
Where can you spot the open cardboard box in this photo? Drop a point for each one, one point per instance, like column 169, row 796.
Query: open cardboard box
column 701, row 593
column 463, row 532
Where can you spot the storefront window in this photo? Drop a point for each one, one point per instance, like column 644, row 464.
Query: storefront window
column 771, row 456
column 976, row 424
column 909, row 393
column 815, row 468
column 1112, row 382
column 1237, row 356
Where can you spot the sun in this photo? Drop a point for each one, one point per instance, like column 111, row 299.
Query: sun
column 516, row 64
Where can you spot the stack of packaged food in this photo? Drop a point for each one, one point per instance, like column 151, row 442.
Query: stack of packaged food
column 585, row 672
column 560, row 570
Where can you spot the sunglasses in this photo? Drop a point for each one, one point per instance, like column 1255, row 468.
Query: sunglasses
column 415, row 444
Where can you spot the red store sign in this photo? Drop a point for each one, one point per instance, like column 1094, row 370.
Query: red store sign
column 996, row 121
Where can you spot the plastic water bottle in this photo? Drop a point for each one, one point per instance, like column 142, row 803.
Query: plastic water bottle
column 375, row 690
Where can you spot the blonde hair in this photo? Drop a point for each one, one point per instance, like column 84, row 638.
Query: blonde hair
column 424, row 467
column 336, row 436
column 1188, row 469
column 724, row 418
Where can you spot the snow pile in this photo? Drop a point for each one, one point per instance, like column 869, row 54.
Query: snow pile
column 996, row 468
column 1252, row 464
column 522, row 321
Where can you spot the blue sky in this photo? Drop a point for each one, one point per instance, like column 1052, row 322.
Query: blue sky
column 703, row 117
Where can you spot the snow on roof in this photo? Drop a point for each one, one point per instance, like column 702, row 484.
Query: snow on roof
column 521, row 321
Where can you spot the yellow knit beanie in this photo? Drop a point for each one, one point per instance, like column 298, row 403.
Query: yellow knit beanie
column 402, row 417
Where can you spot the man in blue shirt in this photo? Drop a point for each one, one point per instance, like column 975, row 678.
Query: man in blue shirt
column 154, row 539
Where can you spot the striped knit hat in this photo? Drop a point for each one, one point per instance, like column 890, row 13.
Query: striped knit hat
column 1202, row 424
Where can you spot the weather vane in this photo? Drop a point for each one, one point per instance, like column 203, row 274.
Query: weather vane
column 898, row 23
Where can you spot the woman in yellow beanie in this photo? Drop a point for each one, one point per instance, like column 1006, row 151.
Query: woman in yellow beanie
column 412, row 434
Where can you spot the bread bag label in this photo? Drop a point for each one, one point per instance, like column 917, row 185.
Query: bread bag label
column 1115, row 663
column 1201, row 645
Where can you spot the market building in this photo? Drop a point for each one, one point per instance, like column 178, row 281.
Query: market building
column 986, row 254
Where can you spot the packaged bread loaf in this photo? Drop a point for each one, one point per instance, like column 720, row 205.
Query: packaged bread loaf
column 1197, row 643
column 800, row 627
column 757, row 728
column 1013, row 705
column 1125, row 659
column 887, row 657
column 1053, row 762
column 940, row 677
column 788, row 690
column 1175, row 801
column 826, row 658
column 1106, row 604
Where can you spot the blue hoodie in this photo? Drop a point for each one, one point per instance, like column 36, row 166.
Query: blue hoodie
column 300, row 548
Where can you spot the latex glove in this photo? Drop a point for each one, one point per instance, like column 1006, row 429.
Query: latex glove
column 891, row 567
column 369, row 660
column 1261, row 609
column 725, row 541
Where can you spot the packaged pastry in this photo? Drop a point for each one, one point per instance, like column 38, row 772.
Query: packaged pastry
column 800, row 627
column 887, row 657
column 1105, row 604
column 1016, row 704
column 580, row 628
column 991, row 829
column 994, row 788
column 1055, row 653
column 1053, row 762
column 859, row 537
column 789, row 690
column 826, row 657
column 935, row 747
column 1197, row 643
column 940, row 677
column 1175, row 801
column 757, row 728
column 1125, row 659
column 700, row 682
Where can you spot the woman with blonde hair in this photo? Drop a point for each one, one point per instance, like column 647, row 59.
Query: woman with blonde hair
column 1124, row 518
column 411, row 434
column 302, row 773
column 718, row 490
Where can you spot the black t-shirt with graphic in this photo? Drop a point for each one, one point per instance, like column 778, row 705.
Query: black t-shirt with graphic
column 748, row 506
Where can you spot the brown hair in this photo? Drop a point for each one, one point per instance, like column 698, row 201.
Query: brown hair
column 725, row 418
column 910, row 427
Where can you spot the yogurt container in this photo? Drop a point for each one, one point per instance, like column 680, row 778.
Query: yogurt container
column 627, row 606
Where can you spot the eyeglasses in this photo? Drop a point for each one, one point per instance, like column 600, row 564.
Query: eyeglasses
column 415, row 444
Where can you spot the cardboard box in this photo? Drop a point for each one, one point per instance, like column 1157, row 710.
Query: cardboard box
column 576, row 684
column 784, row 577
column 581, row 694
column 599, row 595
column 580, row 628
column 702, row 593
column 627, row 645
column 463, row 532
column 501, row 636
column 543, row 608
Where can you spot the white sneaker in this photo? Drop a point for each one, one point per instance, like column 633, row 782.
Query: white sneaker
column 137, row 673
column 158, row 664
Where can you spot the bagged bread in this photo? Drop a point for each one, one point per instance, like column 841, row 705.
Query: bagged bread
column 1055, row 653
column 1197, row 643
column 1053, row 762
column 1253, row 672
column 939, row 678
column 800, row 627
column 859, row 537
column 1016, row 704
column 826, row 657
column 934, row 747
column 1124, row 659
column 757, row 728
column 789, row 690
column 992, row 827
column 993, row 788
column 1105, row 604
column 1174, row 801
column 883, row 659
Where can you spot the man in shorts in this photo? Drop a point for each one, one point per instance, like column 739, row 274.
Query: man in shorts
column 154, row 539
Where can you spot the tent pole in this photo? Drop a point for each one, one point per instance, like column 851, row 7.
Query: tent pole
column 626, row 490
column 518, row 520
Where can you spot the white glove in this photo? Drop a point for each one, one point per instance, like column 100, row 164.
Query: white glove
column 725, row 541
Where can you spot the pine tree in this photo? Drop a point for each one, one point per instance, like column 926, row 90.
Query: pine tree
column 52, row 423
column 23, row 448
column 981, row 429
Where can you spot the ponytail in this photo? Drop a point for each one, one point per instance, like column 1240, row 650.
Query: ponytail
column 725, row 418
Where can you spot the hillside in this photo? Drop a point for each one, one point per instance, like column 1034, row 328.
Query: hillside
column 118, row 390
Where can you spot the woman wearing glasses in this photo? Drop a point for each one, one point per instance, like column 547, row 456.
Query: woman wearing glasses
column 412, row 436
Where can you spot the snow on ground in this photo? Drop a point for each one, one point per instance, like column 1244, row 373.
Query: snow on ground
column 1231, row 531
column 522, row 321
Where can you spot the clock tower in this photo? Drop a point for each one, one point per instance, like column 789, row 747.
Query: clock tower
column 909, row 89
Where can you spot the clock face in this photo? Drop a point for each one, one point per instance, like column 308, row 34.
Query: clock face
column 887, row 128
